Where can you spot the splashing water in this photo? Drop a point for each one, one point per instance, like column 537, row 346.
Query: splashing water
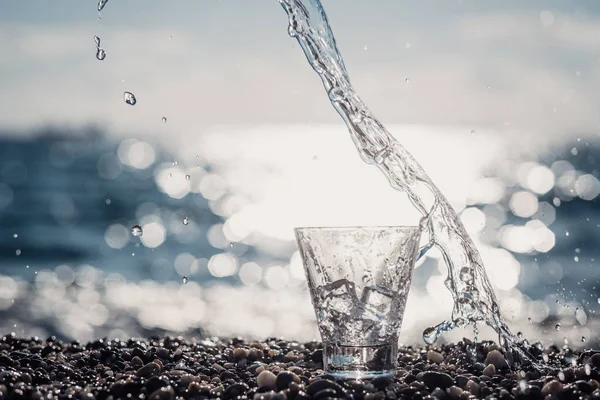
column 129, row 98
column 474, row 298
column 136, row 230
column 101, row 4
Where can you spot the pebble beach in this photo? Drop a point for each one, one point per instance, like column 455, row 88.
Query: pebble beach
column 165, row 368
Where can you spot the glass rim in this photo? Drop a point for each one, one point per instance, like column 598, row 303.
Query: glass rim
column 357, row 227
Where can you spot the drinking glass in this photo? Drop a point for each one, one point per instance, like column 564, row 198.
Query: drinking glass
column 359, row 278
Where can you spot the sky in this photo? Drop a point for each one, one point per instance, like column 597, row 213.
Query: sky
column 526, row 68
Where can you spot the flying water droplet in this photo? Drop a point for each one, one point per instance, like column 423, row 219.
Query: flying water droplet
column 100, row 54
column 18, row 252
column 101, row 4
column 187, row 177
column 520, row 335
column 107, row 201
column 576, row 259
column 136, row 230
column 129, row 98
column 473, row 132
column 164, row 120
column 578, row 250
column 97, row 41
column 186, row 220
column 430, row 335
column 557, row 327
column 407, row 80
column 15, row 235
column 175, row 162
column 583, row 339
column 529, row 320
column 567, row 233
column 184, row 280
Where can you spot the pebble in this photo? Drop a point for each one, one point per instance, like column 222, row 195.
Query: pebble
column 472, row 387
column 266, row 379
column 284, row 378
column 454, row 392
column 435, row 379
column 490, row 370
column 497, row 359
column 552, row 387
column 240, row 353
column 148, row 370
column 435, row 357
column 164, row 393
column 136, row 362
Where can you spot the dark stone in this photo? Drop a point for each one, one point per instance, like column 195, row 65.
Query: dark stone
column 317, row 356
column 322, row 384
column 148, row 370
column 324, row 394
column 584, row 386
column 284, row 378
column 155, row 383
column 381, row 382
column 164, row 393
column 235, row 390
column 435, row 379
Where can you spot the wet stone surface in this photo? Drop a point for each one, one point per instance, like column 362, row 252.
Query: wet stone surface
column 170, row 368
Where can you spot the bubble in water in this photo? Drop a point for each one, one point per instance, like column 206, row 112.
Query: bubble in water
column 18, row 252
column 100, row 54
column 164, row 120
column 187, row 177
column 186, row 220
column 583, row 339
column 101, row 4
column 137, row 230
column 184, row 279
column 557, row 327
column 129, row 98
column 15, row 235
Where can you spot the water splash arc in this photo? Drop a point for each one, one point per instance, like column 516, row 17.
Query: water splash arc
column 474, row 298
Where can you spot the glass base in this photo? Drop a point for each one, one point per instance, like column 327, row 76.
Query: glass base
column 360, row 362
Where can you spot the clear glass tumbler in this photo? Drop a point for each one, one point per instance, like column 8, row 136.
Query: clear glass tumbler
column 359, row 278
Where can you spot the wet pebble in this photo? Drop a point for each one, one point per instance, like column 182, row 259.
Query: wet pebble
column 266, row 379
column 148, row 370
column 435, row 379
column 435, row 357
column 497, row 359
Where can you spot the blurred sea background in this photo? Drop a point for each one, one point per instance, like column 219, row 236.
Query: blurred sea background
column 233, row 134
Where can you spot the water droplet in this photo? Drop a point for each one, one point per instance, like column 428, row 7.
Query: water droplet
column 231, row 244
column 186, row 220
column 561, row 376
column 187, row 177
column 556, row 201
column 520, row 335
column 574, row 151
column 578, row 250
column 101, row 4
column 132, row 254
column 164, row 120
column 175, row 162
column 380, row 156
column 430, row 335
column 567, row 233
column 197, row 157
column 129, row 98
column 101, row 54
column 107, row 201
column 576, row 259
column 18, row 252
column 27, row 266
column 407, row 45
column 15, row 235
column 184, row 280
column 598, row 300
column 97, row 41
column 466, row 275
column 366, row 48
column 472, row 131
column 170, row 175
column 136, row 230
column 557, row 327
column 407, row 80
column 529, row 320
column 583, row 339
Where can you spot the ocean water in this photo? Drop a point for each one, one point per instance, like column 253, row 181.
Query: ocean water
column 69, row 265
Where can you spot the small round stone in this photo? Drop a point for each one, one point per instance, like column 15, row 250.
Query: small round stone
column 497, row 359
column 552, row 387
column 240, row 353
column 284, row 378
column 266, row 379
column 435, row 357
